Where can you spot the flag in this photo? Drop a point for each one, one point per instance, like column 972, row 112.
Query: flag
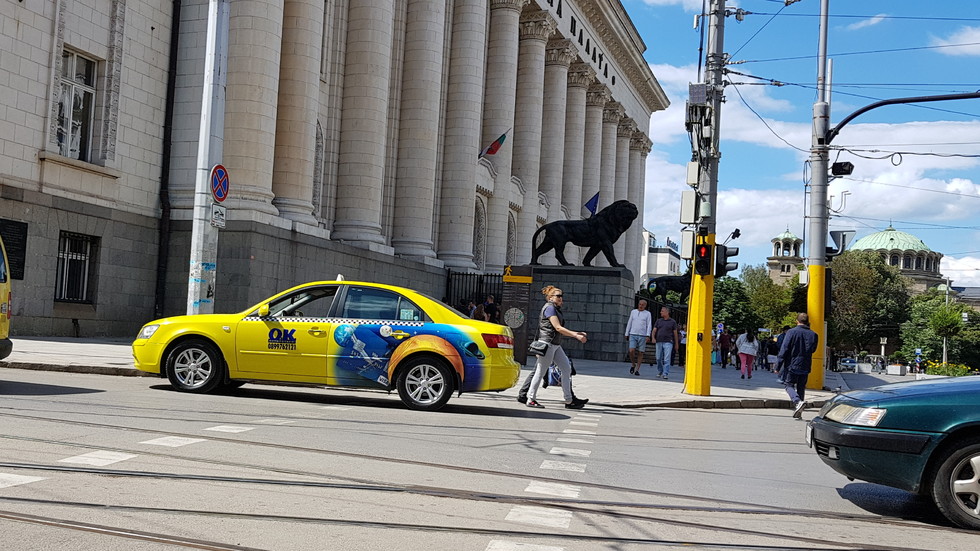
column 495, row 146
column 593, row 204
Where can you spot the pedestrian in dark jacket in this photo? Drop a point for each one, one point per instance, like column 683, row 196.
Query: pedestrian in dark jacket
column 795, row 357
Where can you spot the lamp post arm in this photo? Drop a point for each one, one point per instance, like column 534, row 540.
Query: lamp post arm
column 832, row 133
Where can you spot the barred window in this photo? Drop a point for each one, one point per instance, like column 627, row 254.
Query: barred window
column 76, row 106
column 76, row 267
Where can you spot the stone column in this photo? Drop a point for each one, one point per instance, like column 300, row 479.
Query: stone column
column 364, row 124
column 498, row 117
column 464, row 112
column 535, row 28
column 254, row 42
column 419, row 131
column 607, row 170
column 595, row 102
column 580, row 76
column 639, row 147
column 558, row 57
column 299, row 93
column 624, row 133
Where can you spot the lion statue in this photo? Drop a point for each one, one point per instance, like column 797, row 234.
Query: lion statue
column 598, row 232
column 680, row 284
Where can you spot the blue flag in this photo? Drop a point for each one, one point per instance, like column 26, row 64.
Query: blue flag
column 593, row 204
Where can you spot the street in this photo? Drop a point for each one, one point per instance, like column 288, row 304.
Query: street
column 103, row 462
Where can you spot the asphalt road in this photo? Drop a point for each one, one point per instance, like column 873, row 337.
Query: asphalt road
column 114, row 463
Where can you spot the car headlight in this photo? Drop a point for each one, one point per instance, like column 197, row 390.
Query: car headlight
column 147, row 331
column 850, row 415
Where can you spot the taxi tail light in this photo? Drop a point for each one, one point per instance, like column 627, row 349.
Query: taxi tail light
column 10, row 299
column 498, row 341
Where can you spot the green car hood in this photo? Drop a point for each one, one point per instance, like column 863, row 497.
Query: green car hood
column 932, row 405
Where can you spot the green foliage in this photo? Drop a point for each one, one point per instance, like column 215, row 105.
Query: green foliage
column 768, row 300
column 869, row 300
column 731, row 305
column 946, row 321
column 916, row 332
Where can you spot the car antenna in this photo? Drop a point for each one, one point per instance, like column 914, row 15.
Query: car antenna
column 340, row 277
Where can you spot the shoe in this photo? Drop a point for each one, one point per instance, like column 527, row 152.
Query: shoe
column 522, row 399
column 750, row 376
column 743, row 376
column 575, row 404
column 637, row 373
column 632, row 370
column 583, row 400
column 664, row 377
column 798, row 411
column 534, row 404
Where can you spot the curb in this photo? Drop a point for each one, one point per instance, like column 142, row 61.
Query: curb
column 89, row 369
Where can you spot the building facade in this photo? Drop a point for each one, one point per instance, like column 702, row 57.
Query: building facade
column 659, row 259
column 787, row 257
column 350, row 130
column 913, row 258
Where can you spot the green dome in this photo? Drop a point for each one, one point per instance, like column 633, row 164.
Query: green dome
column 890, row 239
column 786, row 235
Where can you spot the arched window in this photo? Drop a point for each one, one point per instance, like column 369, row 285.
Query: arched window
column 894, row 260
column 906, row 262
column 918, row 263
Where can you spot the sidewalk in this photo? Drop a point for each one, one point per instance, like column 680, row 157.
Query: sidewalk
column 604, row 383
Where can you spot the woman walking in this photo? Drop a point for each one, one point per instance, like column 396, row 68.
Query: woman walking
column 550, row 329
column 748, row 348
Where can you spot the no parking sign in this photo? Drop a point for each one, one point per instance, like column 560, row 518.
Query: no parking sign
column 219, row 183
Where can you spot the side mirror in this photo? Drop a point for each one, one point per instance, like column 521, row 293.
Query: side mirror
column 264, row 311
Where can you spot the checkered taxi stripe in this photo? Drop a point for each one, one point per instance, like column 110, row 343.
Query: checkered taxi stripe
column 335, row 320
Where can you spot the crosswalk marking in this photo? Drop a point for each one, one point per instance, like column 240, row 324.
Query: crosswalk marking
column 173, row 441
column 98, row 458
column 338, row 408
column 570, row 451
column 578, row 431
column 540, row 516
column 7, row 480
column 592, row 415
column 553, row 489
column 276, row 421
column 575, row 440
column 563, row 466
column 583, row 423
column 229, row 428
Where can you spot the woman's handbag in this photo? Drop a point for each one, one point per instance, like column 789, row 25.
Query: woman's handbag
column 537, row 348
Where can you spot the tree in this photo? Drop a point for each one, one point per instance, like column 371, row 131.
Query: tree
column 768, row 300
column 869, row 300
column 916, row 332
column 731, row 305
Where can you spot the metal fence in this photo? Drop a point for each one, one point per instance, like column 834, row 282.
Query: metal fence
column 463, row 287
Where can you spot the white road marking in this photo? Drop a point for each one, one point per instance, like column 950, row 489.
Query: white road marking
column 575, row 440
column 578, row 431
column 553, row 489
column 500, row 545
column 173, row 441
column 229, row 428
column 8, row 480
column 583, row 423
column 563, row 466
column 570, row 451
column 338, row 408
column 98, row 458
column 540, row 516
column 276, row 421
column 593, row 415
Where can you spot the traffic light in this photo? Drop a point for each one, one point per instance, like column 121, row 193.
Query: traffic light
column 722, row 265
column 703, row 259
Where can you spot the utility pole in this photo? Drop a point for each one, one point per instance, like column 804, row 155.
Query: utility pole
column 699, row 319
column 204, row 235
column 819, row 209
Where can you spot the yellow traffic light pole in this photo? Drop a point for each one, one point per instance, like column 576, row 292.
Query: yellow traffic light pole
column 697, row 380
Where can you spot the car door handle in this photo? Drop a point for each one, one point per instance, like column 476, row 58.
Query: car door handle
column 315, row 331
column 399, row 334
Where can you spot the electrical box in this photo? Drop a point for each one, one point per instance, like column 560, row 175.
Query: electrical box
column 687, row 244
column 693, row 174
column 689, row 207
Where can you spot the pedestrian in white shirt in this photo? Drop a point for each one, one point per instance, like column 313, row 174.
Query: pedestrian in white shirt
column 638, row 329
column 748, row 348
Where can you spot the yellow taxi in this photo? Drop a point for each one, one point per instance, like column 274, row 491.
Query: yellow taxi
column 6, row 346
column 335, row 333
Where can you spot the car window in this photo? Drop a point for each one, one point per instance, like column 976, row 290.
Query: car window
column 311, row 302
column 380, row 304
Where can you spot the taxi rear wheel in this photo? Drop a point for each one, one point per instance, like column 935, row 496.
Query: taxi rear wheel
column 425, row 383
column 956, row 484
column 195, row 366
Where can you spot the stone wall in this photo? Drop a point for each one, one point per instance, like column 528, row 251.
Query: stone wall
column 596, row 300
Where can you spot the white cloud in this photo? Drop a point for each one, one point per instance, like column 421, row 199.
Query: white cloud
column 964, row 35
column 688, row 5
column 963, row 271
column 867, row 22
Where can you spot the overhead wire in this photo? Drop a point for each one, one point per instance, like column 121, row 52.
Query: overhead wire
column 754, row 112
column 944, row 192
column 759, row 30
column 864, row 52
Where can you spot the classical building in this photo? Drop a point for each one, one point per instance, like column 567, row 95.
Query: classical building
column 350, row 131
column 908, row 253
column 787, row 257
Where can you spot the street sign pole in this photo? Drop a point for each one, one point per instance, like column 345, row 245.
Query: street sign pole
column 204, row 236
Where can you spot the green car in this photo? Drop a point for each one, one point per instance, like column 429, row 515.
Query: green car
column 919, row 436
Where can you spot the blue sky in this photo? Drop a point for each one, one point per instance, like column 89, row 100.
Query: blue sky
column 930, row 189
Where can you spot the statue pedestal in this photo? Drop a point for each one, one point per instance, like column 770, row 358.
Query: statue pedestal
column 597, row 300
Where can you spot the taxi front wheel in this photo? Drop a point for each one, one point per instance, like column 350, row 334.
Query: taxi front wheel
column 425, row 383
column 195, row 366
